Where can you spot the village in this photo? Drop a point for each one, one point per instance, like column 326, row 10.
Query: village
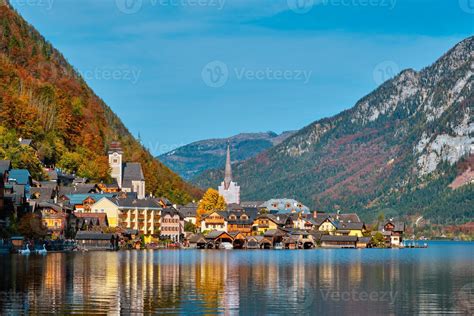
column 68, row 213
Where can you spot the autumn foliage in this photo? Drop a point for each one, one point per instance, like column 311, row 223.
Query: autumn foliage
column 211, row 201
column 43, row 98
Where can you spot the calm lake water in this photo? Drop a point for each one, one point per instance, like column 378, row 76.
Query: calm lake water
column 437, row 280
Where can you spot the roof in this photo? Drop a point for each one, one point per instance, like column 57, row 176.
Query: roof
column 290, row 239
column 48, row 184
column 350, row 226
column 5, row 165
column 171, row 212
column 195, row 238
column 132, row 171
column 277, row 219
column 52, row 174
column 115, row 147
column 87, row 235
column 20, row 176
column 283, row 206
column 274, row 232
column 339, row 238
column 97, row 219
column 53, row 206
column 336, row 218
column 131, row 202
column 364, row 239
column 189, row 210
column 44, row 193
column 215, row 234
column 251, row 215
column 82, row 188
column 316, row 235
column 235, row 234
column 76, row 199
column 78, row 180
column 255, row 204
column 398, row 226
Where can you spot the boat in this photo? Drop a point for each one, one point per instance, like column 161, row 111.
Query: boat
column 226, row 245
column 278, row 246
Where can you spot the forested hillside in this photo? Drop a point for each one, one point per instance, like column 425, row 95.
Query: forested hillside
column 397, row 150
column 43, row 98
column 195, row 158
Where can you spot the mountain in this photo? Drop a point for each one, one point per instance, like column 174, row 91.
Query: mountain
column 43, row 98
column 396, row 151
column 195, row 158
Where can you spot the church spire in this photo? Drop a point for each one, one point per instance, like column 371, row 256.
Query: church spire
column 228, row 169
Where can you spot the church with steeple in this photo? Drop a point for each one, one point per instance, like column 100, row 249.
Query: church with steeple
column 228, row 188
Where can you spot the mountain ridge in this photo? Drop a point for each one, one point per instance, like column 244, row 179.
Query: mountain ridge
column 406, row 135
column 192, row 159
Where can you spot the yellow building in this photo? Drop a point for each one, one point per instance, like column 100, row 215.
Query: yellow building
column 355, row 229
column 214, row 221
column 328, row 226
column 340, row 228
column 109, row 207
column 269, row 221
column 142, row 215
column 53, row 218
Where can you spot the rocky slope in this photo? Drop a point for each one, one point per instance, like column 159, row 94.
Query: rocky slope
column 397, row 150
column 43, row 98
column 195, row 158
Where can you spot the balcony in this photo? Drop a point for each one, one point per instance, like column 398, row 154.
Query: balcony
column 214, row 222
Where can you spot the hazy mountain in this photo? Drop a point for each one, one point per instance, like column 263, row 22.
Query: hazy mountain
column 191, row 160
column 397, row 150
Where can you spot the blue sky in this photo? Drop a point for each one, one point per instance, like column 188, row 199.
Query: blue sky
column 177, row 71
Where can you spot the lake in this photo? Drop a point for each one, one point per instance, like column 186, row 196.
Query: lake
column 436, row 280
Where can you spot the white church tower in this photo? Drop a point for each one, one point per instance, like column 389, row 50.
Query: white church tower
column 228, row 188
column 115, row 162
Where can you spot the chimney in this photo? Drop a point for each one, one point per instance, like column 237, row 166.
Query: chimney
column 315, row 214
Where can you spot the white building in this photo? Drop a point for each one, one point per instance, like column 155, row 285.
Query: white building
column 129, row 176
column 228, row 188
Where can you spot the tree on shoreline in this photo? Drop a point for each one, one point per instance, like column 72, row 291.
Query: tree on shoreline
column 211, row 201
column 31, row 227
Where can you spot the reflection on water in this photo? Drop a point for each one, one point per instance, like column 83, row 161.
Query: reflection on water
column 409, row 281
